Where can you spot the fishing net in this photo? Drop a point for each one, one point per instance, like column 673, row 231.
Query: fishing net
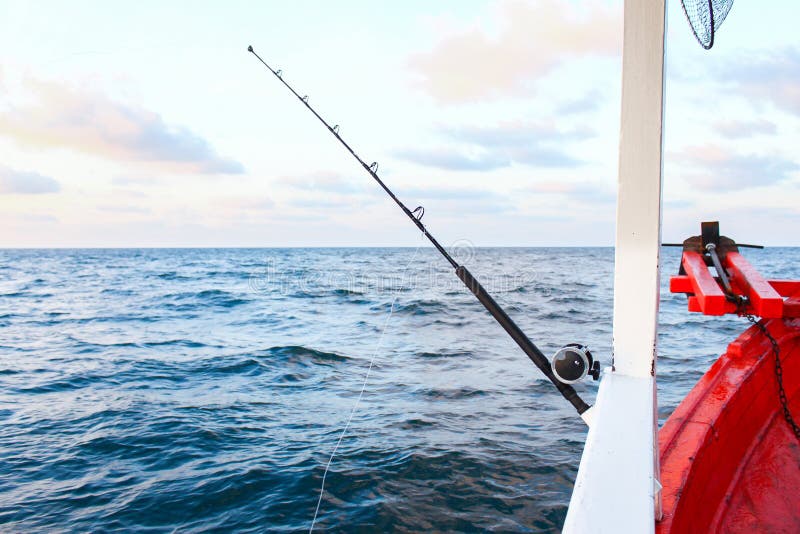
column 705, row 17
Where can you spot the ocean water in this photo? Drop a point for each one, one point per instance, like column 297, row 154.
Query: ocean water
column 204, row 389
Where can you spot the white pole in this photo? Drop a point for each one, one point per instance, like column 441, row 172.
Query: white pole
column 636, row 260
column 638, row 242
column 617, row 487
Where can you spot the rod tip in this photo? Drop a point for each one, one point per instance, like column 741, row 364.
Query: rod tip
column 250, row 48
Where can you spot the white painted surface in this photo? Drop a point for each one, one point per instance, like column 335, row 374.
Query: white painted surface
column 615, row 489
column 588, row 416
column 636, row 268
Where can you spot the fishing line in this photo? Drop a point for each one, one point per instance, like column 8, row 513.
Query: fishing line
column 499, row 314
column 361, row 393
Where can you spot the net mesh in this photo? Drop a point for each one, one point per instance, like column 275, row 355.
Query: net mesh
column 705, row 17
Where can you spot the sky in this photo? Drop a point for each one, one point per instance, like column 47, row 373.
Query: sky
column 148, row 124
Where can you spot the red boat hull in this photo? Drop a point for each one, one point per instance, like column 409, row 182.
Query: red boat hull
column 729, row 460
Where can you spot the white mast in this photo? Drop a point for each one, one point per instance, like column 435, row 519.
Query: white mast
column 617, row 485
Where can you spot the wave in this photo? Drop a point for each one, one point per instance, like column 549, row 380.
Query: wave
column 415, row 307
column 445, row 354
column 172, row 275
column 143, row 402
column 415, row 423
column 187, row 301
column 232, row 365
column 70, row 383
column 453, row 394
column 188, row 343
column 346, row 293
column 117, row 318
column 224, row 299
column 301, row 355
column 406, row 491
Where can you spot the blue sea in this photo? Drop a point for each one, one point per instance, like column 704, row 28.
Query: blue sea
column 195, row 390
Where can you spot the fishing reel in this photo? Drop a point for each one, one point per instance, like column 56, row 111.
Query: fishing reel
column 572, row 362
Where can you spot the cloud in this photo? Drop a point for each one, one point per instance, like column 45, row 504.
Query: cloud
column 325, row 190
column 320, row 203
column 257, row 204
column 536, row 144
column 482, row 148
column 712, row 168
column 741, row 129
column 678, row 204
column 584, row 191
column 772, row 76
column 26, row 183
column 66, row 117
column 243, row 208
column 115, row 208
column 450, row 193
column 337, row 195
column 453, row 159
column 517, row 133
column 24, row 221
column 584, row 104
column 546, row 157
column 536, row 37
column 327, row 182
column 133, row 180
column 453, row 200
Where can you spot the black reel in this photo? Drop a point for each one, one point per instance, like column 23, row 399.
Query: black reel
column 572, row 362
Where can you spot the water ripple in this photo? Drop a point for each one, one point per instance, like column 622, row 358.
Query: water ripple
column 199, row 390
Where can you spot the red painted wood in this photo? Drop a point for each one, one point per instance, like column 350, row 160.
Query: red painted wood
column 729, row 462
column 765, row 300
column 785, row 288
column 791, row 308
column 705, row 288
column 694, row 306
column 765, row 497
column 681, row 283
column 706, row 296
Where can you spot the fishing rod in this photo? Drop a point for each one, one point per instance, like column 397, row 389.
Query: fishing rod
column 499, row 314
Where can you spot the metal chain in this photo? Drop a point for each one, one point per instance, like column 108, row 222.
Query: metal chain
column 778, row 374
